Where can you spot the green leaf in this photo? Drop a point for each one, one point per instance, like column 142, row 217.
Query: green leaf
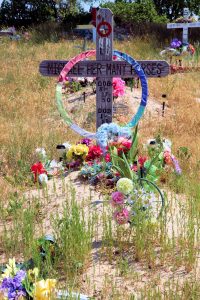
column 133, row 151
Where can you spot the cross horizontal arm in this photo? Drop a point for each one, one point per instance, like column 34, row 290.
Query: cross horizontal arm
column 91, row 68
column 183, row 25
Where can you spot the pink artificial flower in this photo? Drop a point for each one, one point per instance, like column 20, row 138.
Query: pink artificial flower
column 117, row 199
column 121, row 217
column 142, row 160
column 118, row 87
column 134, row 168
column 167, row 158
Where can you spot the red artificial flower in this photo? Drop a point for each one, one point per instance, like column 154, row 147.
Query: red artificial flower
column 107, row 157
column 117, row 174
column 142, row 160
column 94, row 152
column 127, row 144
column 38, row 169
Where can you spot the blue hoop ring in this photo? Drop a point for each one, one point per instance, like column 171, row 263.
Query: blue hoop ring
column 134, row 121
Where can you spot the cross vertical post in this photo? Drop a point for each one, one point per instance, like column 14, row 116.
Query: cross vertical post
column 104, row 50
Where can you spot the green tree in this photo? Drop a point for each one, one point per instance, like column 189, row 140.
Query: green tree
column 142, row 11
column 174, row 8
column 27, row 12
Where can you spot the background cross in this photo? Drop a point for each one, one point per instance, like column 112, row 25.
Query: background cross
column 184, row 26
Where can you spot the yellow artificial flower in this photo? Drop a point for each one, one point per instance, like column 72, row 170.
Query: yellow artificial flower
column 79, row 150
column 44, row 289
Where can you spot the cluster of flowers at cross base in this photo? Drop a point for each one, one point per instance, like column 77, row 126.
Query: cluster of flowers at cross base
column 16, row 284
column 116, row 161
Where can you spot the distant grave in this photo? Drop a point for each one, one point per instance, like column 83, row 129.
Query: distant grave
column 185, row 25
column 104, row 69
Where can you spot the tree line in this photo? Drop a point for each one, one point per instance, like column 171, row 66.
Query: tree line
column 33, row 12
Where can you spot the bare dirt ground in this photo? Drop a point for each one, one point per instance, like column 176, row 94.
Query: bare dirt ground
column 102, row 276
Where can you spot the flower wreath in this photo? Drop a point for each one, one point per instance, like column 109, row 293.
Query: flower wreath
column 62, row 78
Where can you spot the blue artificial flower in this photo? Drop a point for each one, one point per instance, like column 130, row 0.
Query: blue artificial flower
column 175, row 43
column 12, row 287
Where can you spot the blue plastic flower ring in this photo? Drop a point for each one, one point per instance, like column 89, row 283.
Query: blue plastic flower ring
column 138, row 70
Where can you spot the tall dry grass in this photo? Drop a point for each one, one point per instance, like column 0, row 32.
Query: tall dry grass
column 29, row 118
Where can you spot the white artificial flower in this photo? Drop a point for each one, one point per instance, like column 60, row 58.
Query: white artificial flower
column 167, row 144
column 43, row 179
column 67, row 146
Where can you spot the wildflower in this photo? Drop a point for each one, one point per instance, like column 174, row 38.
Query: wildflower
column 125, row 185
column 121, row 217
column 176, row 165
column 117, row 199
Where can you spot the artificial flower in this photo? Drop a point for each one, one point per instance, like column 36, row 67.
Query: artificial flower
column 43, row 178
column 86, row 142
column 107, row 157
column 38, row 169
column 94, row 153
column 175, row 43
column 125, row 186
column 141, row 160
column 167, row 157
column 44, row 289
column 80, row 150
column 12, row 287
column 118, row 87
column 117, row 199
column 121, row 217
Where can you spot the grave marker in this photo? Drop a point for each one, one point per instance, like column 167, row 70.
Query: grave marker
column 184, row 26
column 104, row 68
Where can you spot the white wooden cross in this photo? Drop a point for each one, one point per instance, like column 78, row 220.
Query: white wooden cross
column 184, row 26
column 104, row 68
